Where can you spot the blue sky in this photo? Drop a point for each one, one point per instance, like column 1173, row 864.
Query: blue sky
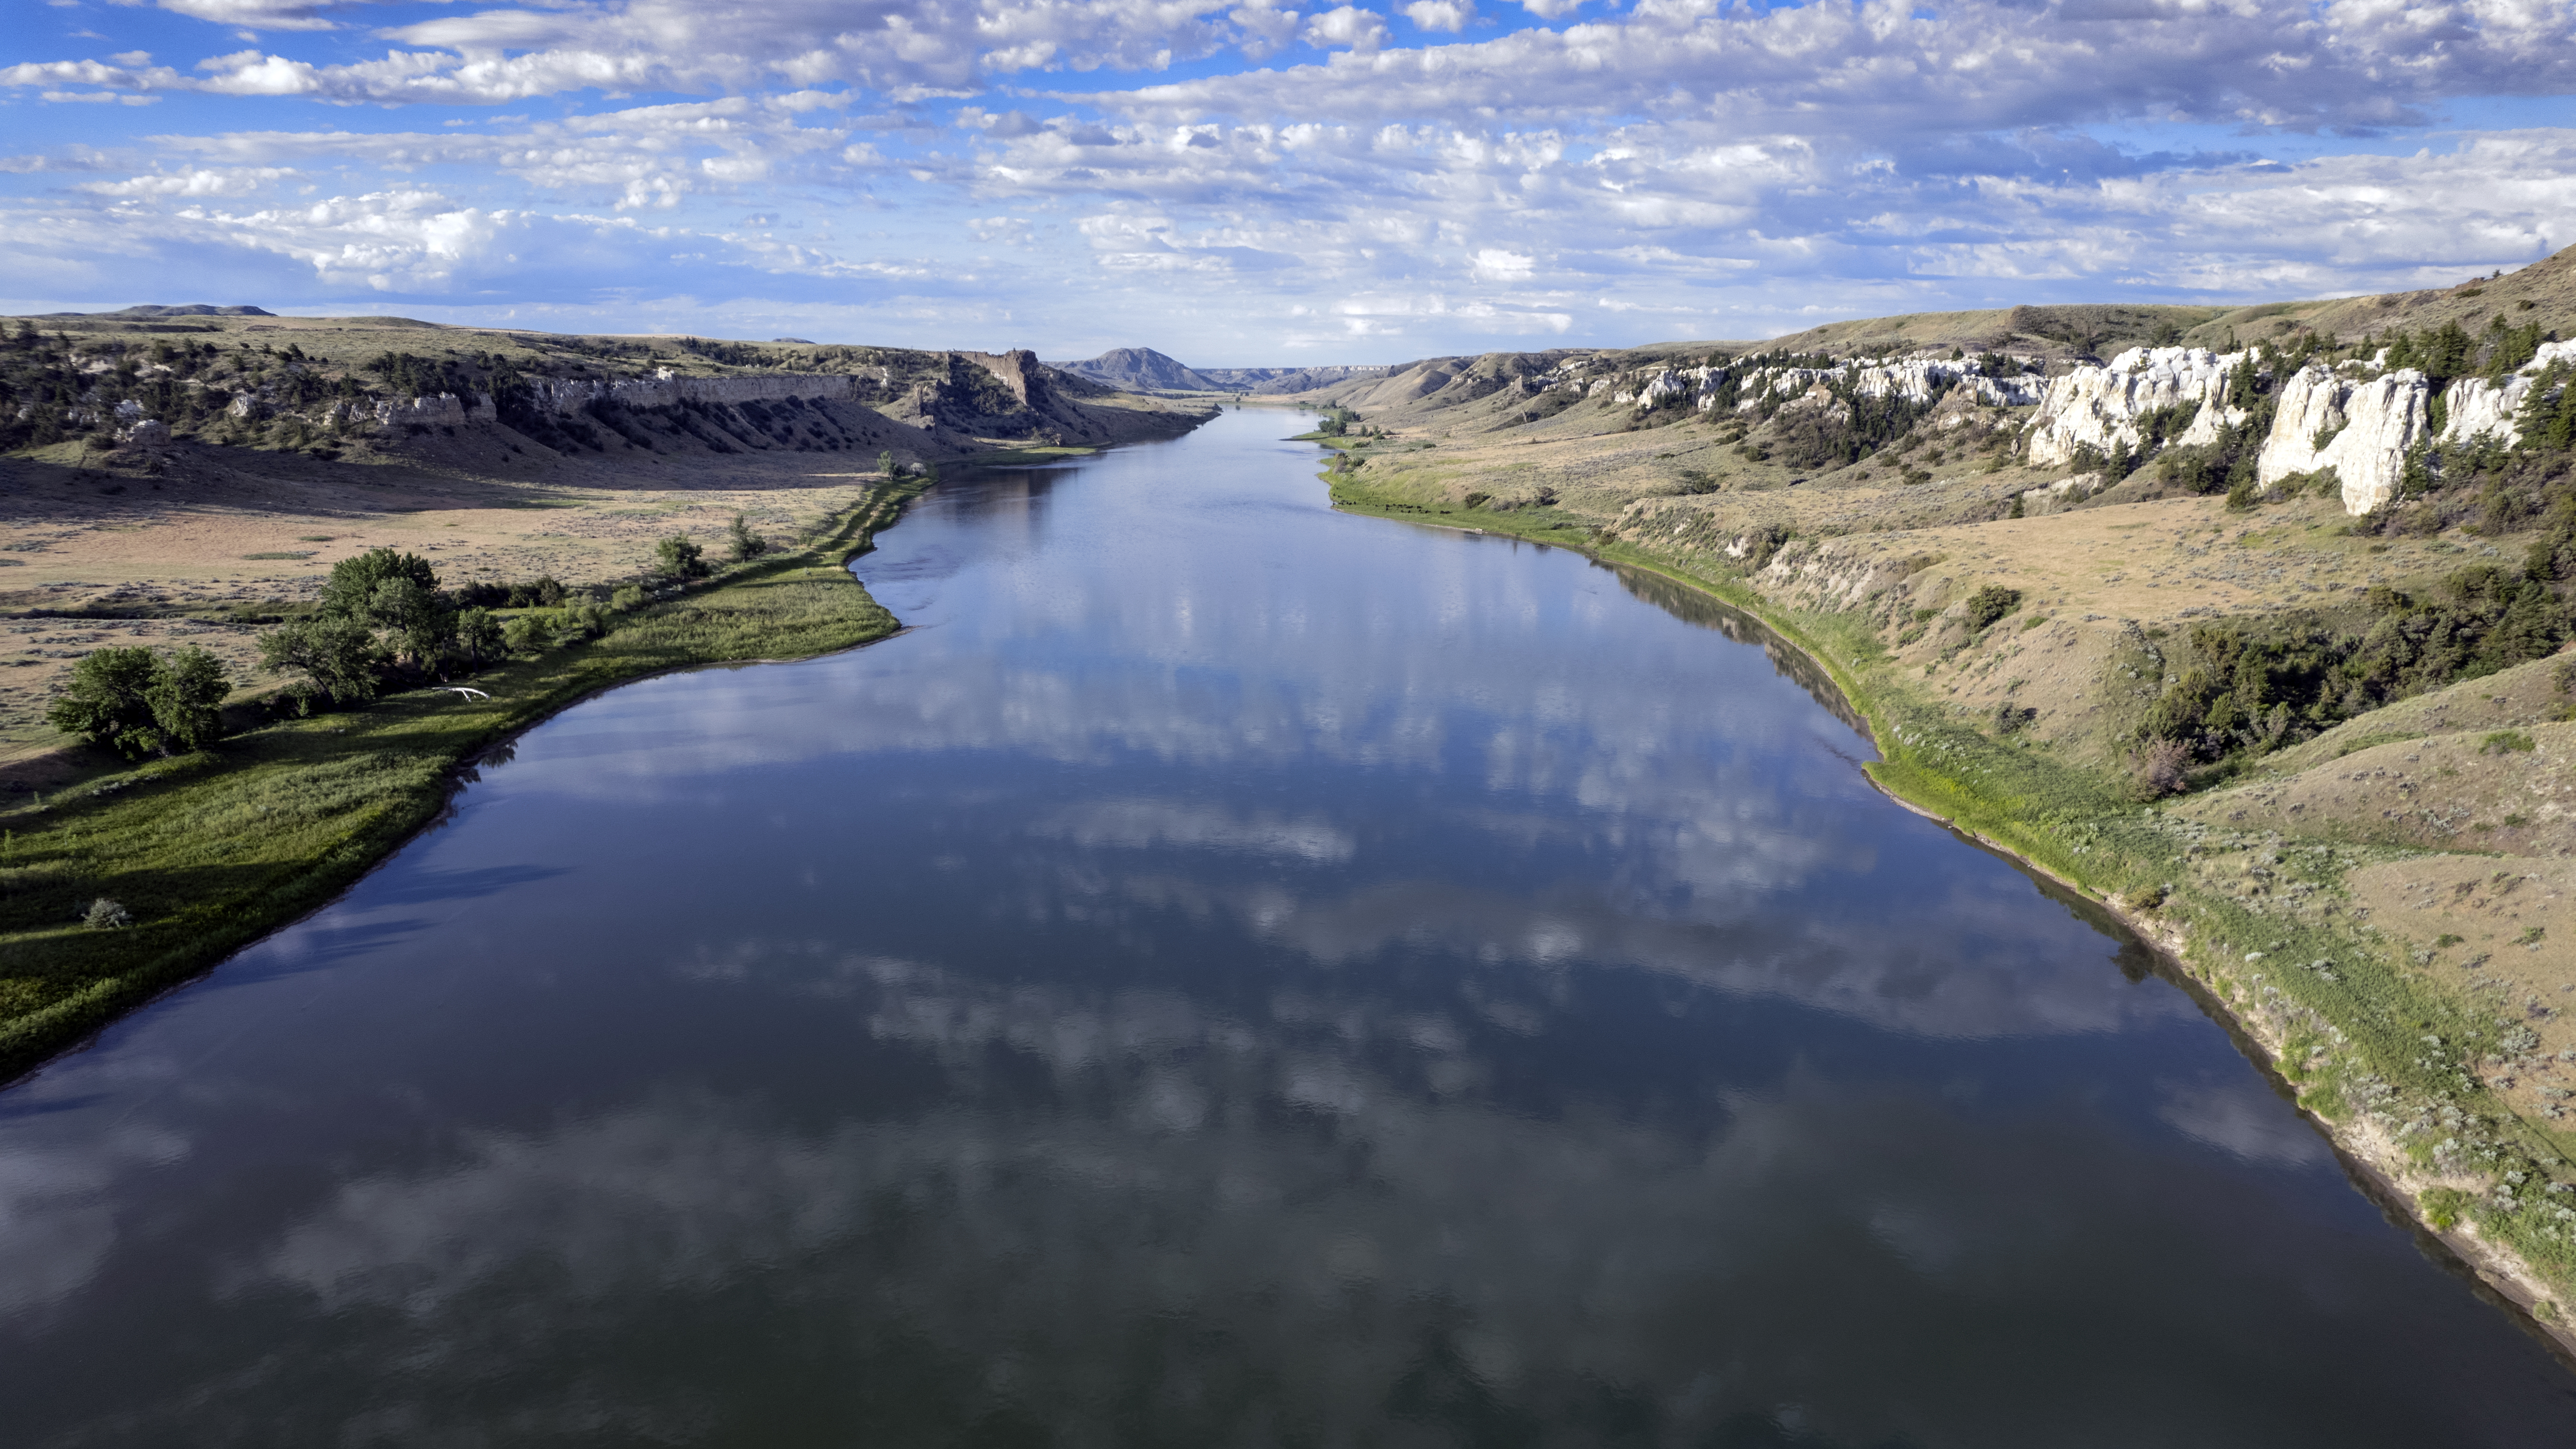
column 1245, row 183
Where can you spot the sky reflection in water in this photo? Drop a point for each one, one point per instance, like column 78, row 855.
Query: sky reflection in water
column 1231, row 974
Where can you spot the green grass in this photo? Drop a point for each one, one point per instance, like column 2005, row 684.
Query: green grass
column 210, row 852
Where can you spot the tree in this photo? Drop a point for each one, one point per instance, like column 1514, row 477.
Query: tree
column 747, row 545
column 187, row 697
column 679, row 558
column 478, row 637
column 109, row 701
column 338, row 657
column 354, row 581
column 418, row 618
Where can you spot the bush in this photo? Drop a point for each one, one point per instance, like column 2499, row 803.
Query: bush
column 582, row 621
column 679, row 558
column 629, row 599
column 746, row 544
column 526, row 632
column 1990, row 603
column 106, row 915
column 545, row 593
column 2156, row 768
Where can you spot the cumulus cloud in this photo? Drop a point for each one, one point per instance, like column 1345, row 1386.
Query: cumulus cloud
column 1720, row 169
column 1448, row 15
column 1347, row 25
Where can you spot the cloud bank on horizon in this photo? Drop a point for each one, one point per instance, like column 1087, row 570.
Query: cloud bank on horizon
column 1253, row 181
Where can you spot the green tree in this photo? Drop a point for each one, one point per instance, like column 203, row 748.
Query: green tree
column 108, row 701
column 187, row 697
column 679, row 558
column 354, row 581
column 338, row 657
column 418, row 619
column 747, row 545
column 478, row 637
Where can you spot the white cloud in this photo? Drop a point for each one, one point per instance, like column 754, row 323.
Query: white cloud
column 1361, row 30
column 1449, row 15
column 196, row 181
column 1675, row 163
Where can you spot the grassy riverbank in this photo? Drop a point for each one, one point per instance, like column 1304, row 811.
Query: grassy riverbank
column 2392, row 1039
column 209, row 852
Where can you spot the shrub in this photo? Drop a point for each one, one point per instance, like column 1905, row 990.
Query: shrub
column 629, row 599
column 1990, row 603
column 2443, row 1206
column 679, row 558
column 1477, row 500
column 545, row 593
column 746, row 545
column 2156, row 768
column 524, row 632
column 580, row 622
column 2506, row 742
column 106, row 915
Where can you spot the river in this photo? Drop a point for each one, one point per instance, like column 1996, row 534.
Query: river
column 1230, row 974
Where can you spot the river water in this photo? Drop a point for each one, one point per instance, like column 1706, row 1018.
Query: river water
column 1231, row 974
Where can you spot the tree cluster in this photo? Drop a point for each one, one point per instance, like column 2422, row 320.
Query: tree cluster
column 137, row 702
column 382, row 616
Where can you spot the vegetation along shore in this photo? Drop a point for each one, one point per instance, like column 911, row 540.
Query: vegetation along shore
column 2249, row 624
column 275, row 583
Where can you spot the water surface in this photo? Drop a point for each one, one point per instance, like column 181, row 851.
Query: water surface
column 1230, row 974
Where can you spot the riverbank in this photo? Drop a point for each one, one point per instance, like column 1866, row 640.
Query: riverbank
column 2393, row 1063
column 209, row 852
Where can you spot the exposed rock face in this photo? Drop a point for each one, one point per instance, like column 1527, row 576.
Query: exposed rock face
column 2473, row 405
column 2368, row 424
column 1915, row 380
column 2476, row 406
column 444, row 409
column 2100, row 407
column 569, row 395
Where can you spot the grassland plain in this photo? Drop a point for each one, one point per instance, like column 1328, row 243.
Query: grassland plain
column 2411, row 992
column 208, row 852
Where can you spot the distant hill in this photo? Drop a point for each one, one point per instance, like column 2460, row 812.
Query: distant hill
column 1141, row 369
column 1289, row 379
column 192, row 309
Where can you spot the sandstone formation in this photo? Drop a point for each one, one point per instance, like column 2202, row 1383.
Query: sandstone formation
column 2360, row 427
column 2103, row 408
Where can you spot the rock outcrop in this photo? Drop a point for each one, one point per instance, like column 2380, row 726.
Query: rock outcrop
column 2104, row 408
column 2475, row 407
column 2360, row 427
